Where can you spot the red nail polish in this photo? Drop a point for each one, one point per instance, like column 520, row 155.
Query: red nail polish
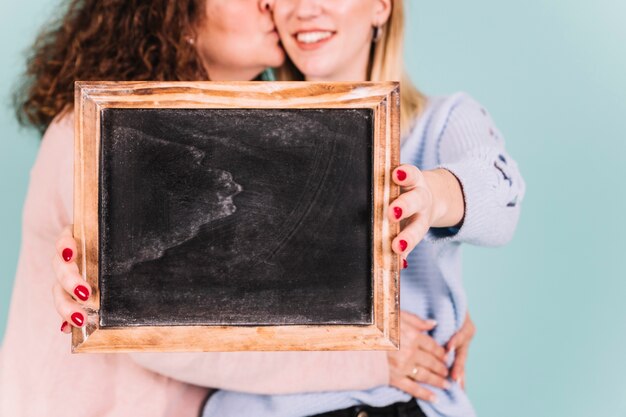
column 405, row 264
column 63, row 325
column 81, row 292
column 401, row 175
column 397, row 212
column 67, row 254
column 78, row 319
column 403, row 245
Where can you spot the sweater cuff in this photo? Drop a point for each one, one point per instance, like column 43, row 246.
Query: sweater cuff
column 477, row 189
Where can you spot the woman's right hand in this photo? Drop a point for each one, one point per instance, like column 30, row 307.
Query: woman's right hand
column 419, row 360
column 70, row 290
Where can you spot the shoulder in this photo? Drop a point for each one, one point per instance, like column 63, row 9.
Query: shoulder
column 443, row 121
column 48, row 206
column 56, row 146
column 451, row 112
column 60, row 132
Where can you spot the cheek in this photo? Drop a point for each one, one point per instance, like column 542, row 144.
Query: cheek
column 226, row 23
column 355, row 37
column 206, row 42
column 281, row 16
column 355, row 18
column 223, row 45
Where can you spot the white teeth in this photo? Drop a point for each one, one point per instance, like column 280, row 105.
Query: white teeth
column 312, row 37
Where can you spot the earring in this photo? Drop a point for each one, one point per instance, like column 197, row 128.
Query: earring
column 378, row 33
column 190, row 40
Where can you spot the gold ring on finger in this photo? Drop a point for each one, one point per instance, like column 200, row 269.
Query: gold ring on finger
column 414, row 372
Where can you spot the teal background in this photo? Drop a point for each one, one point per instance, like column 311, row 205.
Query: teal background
column 549, row 306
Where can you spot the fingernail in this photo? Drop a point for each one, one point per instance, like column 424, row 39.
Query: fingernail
column 67, row 254
column 446, row 385
column 78, row 319
column 458, row 380
column 403, row 245
column 81, row 292
column 431, row 322
column 397, row 212
column 405, row 264
column 401, row 175
column 65, row 323
column 433, row 399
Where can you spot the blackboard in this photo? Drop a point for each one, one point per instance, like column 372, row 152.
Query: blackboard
column 236, row 216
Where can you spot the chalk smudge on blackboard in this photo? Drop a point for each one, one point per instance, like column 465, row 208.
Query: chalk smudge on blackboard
column 171, row 186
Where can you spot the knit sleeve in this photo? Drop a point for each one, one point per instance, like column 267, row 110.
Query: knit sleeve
column 471, row 147
column 272, row 372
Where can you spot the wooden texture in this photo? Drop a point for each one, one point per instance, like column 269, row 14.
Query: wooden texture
column 350, row 305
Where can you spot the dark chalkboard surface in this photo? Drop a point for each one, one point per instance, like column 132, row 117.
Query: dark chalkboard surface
column 235, row 216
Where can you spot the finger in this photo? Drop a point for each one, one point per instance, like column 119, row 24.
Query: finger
column 415, row 322
column 414, row 389
column 429, row 361
column 426, row 376
column 409, row 203
column 458, row 339
column 68, row 309
column 464, row 336
column 427, row 344
column 66, row 328
column 66, row 245
column 412, row 234
column 408, row 176
column 68, row 276
column 458, row 367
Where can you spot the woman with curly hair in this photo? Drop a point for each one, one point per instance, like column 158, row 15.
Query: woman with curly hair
column 133, row 40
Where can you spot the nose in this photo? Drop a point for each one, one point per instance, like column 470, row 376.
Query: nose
column 266, row 5
column 308, row 9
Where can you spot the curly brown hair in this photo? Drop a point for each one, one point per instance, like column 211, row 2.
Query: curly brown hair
column 105, row 40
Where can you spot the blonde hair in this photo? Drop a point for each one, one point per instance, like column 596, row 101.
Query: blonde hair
column 386, row 64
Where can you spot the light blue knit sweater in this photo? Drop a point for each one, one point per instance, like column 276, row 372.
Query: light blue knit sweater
column 455, row 133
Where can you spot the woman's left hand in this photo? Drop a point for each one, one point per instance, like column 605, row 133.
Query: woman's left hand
column 428, row 199
column 460, row 343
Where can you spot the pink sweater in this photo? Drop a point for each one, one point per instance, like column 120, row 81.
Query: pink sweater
column 40, row 377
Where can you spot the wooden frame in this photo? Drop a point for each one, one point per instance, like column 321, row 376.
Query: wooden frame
column 383, row 98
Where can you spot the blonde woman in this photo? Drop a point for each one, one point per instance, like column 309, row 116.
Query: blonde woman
column 459, row 186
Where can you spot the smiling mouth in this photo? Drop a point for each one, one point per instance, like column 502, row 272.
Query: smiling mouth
column 312, row 39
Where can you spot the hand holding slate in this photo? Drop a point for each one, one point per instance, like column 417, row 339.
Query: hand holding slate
column 429, row 199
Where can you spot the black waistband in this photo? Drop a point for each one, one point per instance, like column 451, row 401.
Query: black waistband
column 408, row 409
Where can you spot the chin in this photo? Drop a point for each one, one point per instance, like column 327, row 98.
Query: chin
column 274, row 58
column 277, row 59
column 313, row 71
